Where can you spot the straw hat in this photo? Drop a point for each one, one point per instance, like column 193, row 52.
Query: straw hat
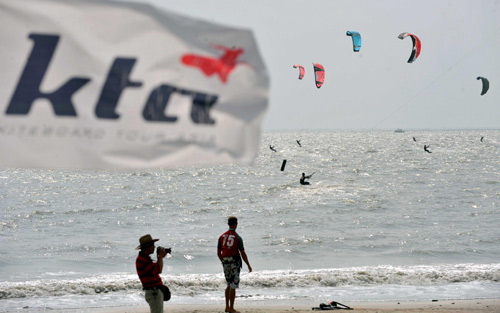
column 145, row 241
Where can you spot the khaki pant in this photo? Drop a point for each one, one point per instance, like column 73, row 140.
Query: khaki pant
column 155, row 299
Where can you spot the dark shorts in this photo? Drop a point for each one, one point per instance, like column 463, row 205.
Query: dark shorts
column 232, row 273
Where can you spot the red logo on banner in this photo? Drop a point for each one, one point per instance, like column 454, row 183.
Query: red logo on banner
column 209, row 65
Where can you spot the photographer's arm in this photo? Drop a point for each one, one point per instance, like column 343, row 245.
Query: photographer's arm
column 162, row 254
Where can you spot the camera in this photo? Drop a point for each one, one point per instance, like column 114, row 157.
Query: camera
column 167, row 250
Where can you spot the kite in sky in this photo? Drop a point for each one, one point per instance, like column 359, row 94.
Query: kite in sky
column 302, row 71
column 486, row 85
column 319, row 74
column 356, row 40
column 416, row 46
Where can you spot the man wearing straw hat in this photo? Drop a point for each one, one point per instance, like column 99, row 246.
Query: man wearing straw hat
column 149, row 272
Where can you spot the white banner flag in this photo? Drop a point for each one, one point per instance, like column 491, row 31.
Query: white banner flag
column 98, row 84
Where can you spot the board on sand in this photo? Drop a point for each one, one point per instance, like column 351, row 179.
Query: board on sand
column 332, row 306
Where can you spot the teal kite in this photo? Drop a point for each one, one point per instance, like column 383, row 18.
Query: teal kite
column 356, row 40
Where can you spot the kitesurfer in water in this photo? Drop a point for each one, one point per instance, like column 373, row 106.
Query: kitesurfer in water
column 298, row 142
column 426, row 149
column 272, row 148
column 414, row 139
column 482, row 137
column 303, row 179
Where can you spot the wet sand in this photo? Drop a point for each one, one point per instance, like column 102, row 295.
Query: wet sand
column 437, row 306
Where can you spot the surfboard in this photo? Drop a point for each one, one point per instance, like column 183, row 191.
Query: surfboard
column 283, row 165
column 332, row 306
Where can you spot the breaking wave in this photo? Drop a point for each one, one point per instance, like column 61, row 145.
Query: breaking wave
column 194, row 284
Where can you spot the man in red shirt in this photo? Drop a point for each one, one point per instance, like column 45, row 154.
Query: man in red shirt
column 229, row 248
column 149, row 272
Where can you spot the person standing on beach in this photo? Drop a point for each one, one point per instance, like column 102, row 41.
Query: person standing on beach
column 230, row 251
column 149, row 272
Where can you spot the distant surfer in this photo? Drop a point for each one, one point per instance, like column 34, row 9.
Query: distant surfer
column 298, row 142
column 482, row 137
column 426, row 149
column 414, row 139
column 272, row 148
column 304, row 177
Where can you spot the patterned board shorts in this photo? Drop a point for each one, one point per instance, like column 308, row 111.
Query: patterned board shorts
column 232, row 274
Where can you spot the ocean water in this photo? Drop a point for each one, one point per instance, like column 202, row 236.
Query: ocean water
column 382, row 220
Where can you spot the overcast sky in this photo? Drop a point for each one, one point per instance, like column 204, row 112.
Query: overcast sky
column 375, row 88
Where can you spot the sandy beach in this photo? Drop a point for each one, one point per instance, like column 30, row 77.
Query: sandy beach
column 438, row 306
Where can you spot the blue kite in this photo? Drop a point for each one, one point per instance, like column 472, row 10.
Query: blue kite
column 356, row 40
